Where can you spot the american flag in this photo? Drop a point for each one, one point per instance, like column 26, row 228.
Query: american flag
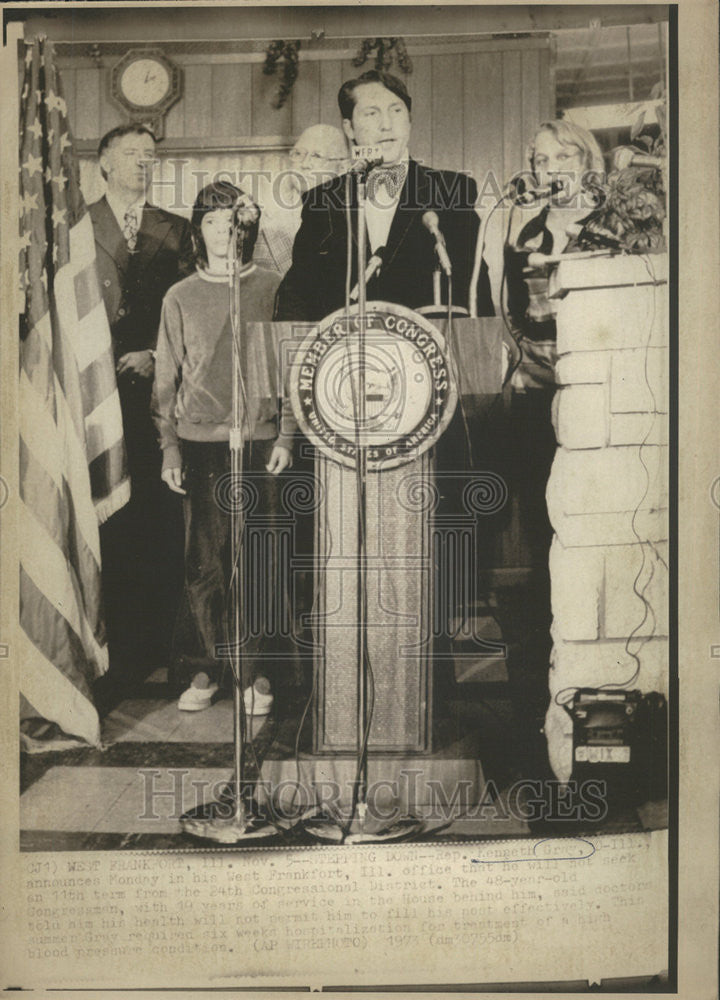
column 72, row 458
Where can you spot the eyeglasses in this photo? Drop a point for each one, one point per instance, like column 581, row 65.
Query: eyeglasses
column 314, row 158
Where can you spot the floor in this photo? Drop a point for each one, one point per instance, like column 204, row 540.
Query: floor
column 158, row 763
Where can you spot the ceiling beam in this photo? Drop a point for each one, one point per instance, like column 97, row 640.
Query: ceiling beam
column 86, row 23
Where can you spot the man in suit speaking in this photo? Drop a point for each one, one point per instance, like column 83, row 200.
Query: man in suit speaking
column 375, row 109
column 139, row 250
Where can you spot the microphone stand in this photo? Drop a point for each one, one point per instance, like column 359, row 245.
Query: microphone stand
column 438, row 310
column 479, row 251
column 443, row 266
column 507, row 195
column 360, row 827
column 360, row 794
column 437, row 280
column 235, row 817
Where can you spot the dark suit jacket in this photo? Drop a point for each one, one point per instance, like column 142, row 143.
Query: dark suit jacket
column 315, row 284
column 133, row 285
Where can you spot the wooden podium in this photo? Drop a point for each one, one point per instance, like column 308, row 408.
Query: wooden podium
column 403, row 551
column 420, row 548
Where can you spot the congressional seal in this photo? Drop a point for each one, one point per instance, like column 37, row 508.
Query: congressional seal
column 394, row 398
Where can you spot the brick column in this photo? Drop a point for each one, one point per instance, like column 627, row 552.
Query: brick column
column 608, row 492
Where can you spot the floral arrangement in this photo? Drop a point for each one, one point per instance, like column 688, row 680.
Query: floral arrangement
column 632, row 215
column 289, row 54
column 631, row 203
column 384, row 48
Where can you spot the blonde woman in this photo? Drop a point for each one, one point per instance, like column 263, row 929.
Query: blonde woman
column 569, row 157
column 565, row 156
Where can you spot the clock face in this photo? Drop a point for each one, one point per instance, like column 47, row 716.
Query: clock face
column 145, row 82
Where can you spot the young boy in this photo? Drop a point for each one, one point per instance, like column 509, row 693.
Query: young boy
column 193, row 408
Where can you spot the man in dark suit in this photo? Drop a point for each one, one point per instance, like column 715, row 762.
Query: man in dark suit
column 376, row 112
column 139, row 249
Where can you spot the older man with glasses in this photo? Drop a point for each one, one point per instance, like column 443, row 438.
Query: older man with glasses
column 319, row 153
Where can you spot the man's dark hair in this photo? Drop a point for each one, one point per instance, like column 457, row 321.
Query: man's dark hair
column 131, row 128
column 221, row 194
column 119, row 131
column 346, row 94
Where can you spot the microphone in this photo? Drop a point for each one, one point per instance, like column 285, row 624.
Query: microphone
column 245, row 212
column 626, row 156
column 365, row 159
column 431, row 222
column 373, row 268
column 528, row 196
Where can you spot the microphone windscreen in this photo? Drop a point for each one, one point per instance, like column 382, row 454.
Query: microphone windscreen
column 246, row 211
column 623, row 157
column 365, row 159
column 431, row 221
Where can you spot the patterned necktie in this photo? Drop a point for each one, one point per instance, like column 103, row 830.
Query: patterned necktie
column 391, row 178
column 130, row 229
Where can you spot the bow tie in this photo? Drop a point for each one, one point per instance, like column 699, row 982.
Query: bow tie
column 391, row 178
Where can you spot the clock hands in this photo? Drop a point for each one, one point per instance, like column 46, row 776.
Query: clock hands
column 144, row 82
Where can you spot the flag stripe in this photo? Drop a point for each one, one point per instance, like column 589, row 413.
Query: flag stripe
column 65, row 361
column 56, row 448
column 39, row 431
column 68, row 403
column 53, row 635
column 91, row 349
column 53, row 438
column 36, row 364
column 53, row 507
column 96, row 438
column 48, row 689
column 47, row 567
column 107, row 464
column 111, row 503
column 82, row 245
column 86, row 290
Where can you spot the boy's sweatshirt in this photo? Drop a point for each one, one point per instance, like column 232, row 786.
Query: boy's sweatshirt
column 193, row 368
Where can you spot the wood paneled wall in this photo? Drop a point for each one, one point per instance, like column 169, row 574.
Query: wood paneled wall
column 474, row 102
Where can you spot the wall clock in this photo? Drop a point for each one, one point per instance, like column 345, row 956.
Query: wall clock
column 145, row 84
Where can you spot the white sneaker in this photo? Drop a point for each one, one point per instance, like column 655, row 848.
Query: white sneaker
column 258, row 698
column 195, row 699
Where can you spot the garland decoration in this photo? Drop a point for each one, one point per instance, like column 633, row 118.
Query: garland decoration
column 286, row 53
column 384, row 49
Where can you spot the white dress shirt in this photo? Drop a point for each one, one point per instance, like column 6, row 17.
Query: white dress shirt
column 380, row 211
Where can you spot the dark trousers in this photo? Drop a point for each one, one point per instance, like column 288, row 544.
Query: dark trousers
column 208, row 617
column 533, row 450
column 142, row 557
